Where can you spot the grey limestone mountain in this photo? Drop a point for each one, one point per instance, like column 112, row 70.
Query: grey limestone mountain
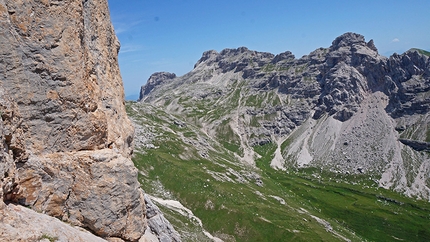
column 345, row 108
column 66, row 141
column 156, row 79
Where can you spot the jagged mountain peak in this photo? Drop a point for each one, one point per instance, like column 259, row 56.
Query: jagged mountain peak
column 287, row 55
column 337, row 78
column 156, row 79
column 348, row 39
column 237, row 56
column 424, row 52
column 331, row 97
column 210, row 54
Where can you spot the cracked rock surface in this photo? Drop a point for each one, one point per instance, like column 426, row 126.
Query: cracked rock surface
column 66, row 140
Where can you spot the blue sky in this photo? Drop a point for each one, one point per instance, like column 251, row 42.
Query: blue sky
column 171, row 35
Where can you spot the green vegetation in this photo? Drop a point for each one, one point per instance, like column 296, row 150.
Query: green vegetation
column 376, row 215
column 230, row 140
column 167, row 102
column 262, row 99
column 419, row 131
column 300, row 69
column 287, row 143
column 294, row 205
column 269, row 67
column 266, row 151
column 272, row 67
column 424, row 52
column 48, row 237
column 254, row 122
column 254, row 101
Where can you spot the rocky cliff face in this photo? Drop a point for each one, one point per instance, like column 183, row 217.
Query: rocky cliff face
column 66, row 140
column 156, row 79
column 345, row 108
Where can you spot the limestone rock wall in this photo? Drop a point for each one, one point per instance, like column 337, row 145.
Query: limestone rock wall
column 66, row 140
column 60, row 65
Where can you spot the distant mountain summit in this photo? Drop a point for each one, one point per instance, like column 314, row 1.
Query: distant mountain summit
column 345, row 108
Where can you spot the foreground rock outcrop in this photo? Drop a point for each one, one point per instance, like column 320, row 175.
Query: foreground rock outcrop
column 23, row 224
column 344, row 108
column 66, row 140
column 159, row 226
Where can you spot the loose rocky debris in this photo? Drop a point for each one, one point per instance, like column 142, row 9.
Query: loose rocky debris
column 158, row 224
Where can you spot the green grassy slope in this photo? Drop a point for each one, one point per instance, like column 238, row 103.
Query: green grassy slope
column 293, row 205
column 424, row 52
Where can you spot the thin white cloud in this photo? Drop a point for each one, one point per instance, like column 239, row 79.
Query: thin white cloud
column 395, row 40
column 120, row 30
column 124, row 26
column 130, row 48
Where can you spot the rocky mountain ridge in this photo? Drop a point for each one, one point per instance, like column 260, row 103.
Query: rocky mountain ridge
column 345, row 108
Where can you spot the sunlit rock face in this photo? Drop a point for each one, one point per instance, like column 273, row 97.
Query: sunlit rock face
column 66, row 139
column 59, row 64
